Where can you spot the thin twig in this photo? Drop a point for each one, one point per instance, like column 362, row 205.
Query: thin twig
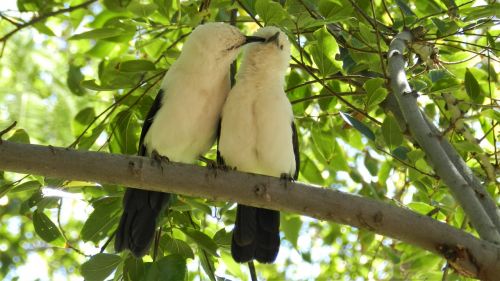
column 379, row 49
column 44, row 16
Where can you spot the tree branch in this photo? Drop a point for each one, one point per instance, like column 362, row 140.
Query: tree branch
column 468, row 255
column 447, row 163
column 43, row 17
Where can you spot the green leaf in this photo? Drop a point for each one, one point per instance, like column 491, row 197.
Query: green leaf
column 88, row 140
column 44, row 227
column 20, row 136
column 271, row 12
column 373, row 84
column 125, row 133
column 172, row 268
column 136, row 66
column 478, row 12
column 466, row 146
column 142, row 10
column 83, row 118
column 169, row 268
column 323, row 51
column 400, row 152
column 176, row 246
column 390, row 130
column 42, row 28
column 74, row 79
column 291, row 227
column 362, row 128
column 223, row 238
column 133, row 269
column 99, row 267
column 471, row 86
column 102, row 220
column 92, row 85
column 376, row 97
column 26, row 186
column 99, row 33
column 202, row 240
column 309, row 170
column 207, row 263
column 335, row 10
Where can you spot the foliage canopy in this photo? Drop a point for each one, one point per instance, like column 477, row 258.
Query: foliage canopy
column 84, row 73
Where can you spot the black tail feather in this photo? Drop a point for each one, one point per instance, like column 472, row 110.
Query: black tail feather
column 138, row 222
column 255, row 235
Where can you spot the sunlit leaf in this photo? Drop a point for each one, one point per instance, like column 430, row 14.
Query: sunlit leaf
column 100, row 266
column 44, row 227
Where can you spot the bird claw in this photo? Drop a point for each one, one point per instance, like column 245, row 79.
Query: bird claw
column 286, row 179
column 159, row 158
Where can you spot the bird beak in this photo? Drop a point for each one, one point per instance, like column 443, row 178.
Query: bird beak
column 273, row 38
column 250, row 39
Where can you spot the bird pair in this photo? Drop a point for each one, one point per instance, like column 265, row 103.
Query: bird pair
column 253, row 122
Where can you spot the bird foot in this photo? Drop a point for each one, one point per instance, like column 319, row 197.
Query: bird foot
column 159, row 158
column 286, row 179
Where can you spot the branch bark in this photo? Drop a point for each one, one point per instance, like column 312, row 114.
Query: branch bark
column 468, row 255
column 471, row 195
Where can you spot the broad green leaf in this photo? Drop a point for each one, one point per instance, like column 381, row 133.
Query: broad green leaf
column 202, row 240
column 176, row 246
column 99, row 33
column 478, row 12
column 376, row 97
column 88, row 140
column 20, row 136
column 74, row 79
column 471, row 86
column 25, row 186
column 362, row 128
column 100, row 266
column 400, row 152
column 373, row 84
column 207, row 263
column 42, row 28
column 335, row 10
column 142, row 9
column 466, row 146
column 390, row 130
column 172, row 268
column 124, row 129
column 44, row 227
column 323, row 51
column 371, row 164
column 310, row 171
column 136, row 66
column 102, row 220
column 83, row 118
column 291, row 227
column 92, row 85
column 271, row 12
column 133, row 269
column 223, row 238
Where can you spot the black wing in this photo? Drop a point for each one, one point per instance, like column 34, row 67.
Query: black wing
column 295, row 142
column 141, row 208
column 148, row 121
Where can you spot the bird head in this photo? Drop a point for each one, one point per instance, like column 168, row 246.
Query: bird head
column 274, row 52
column 219, row 40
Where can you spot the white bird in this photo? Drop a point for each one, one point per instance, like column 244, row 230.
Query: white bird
column 258, row 136
column 182, row 122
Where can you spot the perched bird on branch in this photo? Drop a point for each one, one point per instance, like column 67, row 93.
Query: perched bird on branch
column 182, row 122
column 257, row 135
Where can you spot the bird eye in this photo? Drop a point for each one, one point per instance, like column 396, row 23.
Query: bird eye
column 281, row 47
